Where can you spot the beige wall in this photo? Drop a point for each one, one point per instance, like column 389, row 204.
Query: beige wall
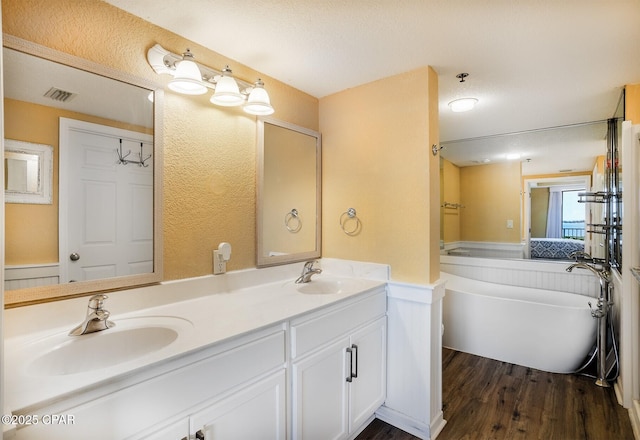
column 377, row 159
column 632, row 103
column 496, row 186
column 210, row 152
column 450, row 217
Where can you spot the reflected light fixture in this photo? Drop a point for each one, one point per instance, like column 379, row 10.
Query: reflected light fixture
column 192, row 78
column 462, row 104
column 187, row 78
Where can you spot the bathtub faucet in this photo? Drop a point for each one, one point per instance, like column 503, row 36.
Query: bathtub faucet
column 602, row 274
column 580, row 255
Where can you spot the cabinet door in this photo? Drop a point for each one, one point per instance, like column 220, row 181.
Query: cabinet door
column 320, row 394
column 178, row 430
column 368, row 389
column 255, row 412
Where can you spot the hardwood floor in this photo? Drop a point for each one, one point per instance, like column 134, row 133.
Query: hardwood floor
column 485, row 399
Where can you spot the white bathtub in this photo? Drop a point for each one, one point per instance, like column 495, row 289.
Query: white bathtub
column 542, row 329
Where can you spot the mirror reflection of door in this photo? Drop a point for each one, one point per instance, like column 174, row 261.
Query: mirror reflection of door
column 108, row 204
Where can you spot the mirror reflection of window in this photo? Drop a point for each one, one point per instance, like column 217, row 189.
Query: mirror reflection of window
column 573, row 215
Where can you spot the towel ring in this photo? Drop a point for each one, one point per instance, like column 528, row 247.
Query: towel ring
column 350, row 215
column 289, row 217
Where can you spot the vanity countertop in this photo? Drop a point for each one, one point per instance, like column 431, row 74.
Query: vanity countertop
column 204, row 321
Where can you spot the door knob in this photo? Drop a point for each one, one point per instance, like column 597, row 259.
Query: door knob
column 74, row 256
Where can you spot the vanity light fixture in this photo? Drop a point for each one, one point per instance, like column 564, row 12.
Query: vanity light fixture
column 258, row 102
column 462, row 104
column 228, row 90
column 187, row 78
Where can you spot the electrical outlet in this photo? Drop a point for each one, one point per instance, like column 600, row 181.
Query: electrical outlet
column 219, row 265
column 509, row 224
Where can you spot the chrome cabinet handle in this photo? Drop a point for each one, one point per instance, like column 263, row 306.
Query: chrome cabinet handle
column 200, row 435
column 353, row 354
column 74, row 256
column 354, row 349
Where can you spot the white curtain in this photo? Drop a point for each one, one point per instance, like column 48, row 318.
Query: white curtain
column 554, row 215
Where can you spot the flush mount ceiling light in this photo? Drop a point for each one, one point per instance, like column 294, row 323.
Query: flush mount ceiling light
column 462, row 104
column 192, row 78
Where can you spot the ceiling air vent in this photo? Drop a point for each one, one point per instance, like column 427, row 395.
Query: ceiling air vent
column 60, row 95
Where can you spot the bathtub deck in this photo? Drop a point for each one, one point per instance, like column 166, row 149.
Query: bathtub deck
column 487, row 399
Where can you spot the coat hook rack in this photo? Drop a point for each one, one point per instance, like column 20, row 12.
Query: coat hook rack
column 122, row 159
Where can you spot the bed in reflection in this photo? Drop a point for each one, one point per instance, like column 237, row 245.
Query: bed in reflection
column 555, row 248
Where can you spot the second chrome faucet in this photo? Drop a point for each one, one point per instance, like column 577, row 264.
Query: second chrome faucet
column 308, row 270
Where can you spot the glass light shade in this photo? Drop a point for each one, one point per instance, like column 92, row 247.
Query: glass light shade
column 462, row 104
column 187, row 79
column 227, row 93
column 258, row 102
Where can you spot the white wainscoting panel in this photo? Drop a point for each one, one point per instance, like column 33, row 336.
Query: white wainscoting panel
column 25, row 276
column 414, row 359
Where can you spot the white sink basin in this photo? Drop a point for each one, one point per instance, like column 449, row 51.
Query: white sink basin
column 320, row 286
column 130, row 339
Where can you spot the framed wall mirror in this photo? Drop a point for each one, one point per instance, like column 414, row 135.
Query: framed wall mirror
column 288, row 193
column 102, row 125
column 28, row 172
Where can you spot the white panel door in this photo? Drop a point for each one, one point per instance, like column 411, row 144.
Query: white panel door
column 106, row 207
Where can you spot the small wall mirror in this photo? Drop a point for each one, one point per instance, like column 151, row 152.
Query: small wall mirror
column 76, row 134
column 28, row 172
column 288, row 193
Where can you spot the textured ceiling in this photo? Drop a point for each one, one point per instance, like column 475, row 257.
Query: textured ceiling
column 532, row 63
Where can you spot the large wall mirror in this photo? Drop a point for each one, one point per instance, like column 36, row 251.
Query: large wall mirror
column 102, row 229
column 516, row 195
column 288, row 193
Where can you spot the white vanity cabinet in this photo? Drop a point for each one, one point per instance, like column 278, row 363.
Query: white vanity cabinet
column 338, row 368
column 205, row 391
column 317, row 371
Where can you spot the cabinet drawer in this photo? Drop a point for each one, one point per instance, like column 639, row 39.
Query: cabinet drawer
column 311, row 332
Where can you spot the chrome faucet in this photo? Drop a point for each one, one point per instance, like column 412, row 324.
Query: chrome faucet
column 602, row 274
column 97, row 318
column 580, row 256
column 308, row 271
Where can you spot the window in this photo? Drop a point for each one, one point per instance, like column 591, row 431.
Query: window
column 573, row 215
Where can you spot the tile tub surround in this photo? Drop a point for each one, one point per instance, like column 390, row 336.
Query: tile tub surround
column 221, row 308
